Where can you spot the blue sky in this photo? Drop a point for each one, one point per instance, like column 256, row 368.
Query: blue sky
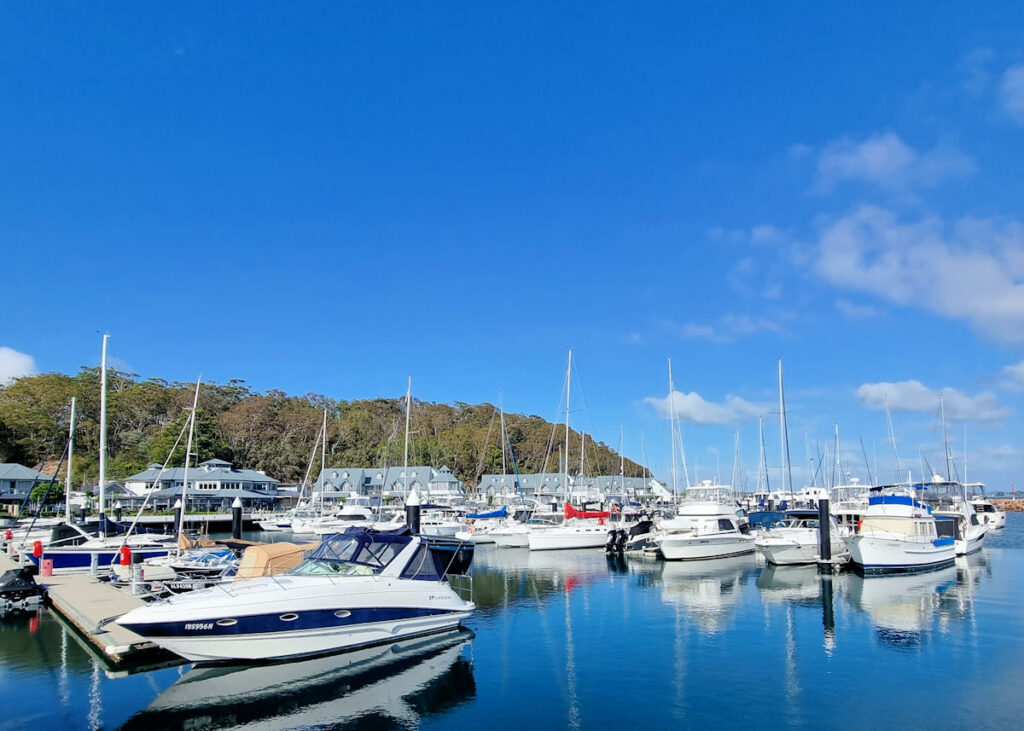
column 328, row 197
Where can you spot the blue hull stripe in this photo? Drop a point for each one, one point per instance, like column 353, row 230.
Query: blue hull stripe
column 83, row 559
column 271, row 623
column 904, row 568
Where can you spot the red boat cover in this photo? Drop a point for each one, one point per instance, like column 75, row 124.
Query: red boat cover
column 571, row 512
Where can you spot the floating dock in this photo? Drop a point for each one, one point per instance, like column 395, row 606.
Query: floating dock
column 90, row 606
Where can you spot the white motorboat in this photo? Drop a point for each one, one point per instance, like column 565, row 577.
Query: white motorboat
column 848, row 503
column 353, row 590
column 479, row 525
column 100, row 552
column 948, row 500
column 706, row 526
column 349, row 516
column 899, row 534
column 987, row 512
column 796, row 539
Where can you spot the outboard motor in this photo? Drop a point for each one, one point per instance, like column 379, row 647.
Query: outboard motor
column 620, row 544
column 609, row 547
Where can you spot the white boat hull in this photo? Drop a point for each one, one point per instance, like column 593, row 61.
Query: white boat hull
column 782, row 551
column 558, row 539
column 688, row 547
column 281, row 645
column 874, row 554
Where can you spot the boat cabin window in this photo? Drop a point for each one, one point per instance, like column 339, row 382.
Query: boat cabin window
column 351, row 555
column 725, row 524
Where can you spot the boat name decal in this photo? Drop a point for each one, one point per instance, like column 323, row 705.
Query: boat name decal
column 199, row 625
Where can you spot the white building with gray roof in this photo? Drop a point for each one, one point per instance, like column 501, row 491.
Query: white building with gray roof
column 581, row 487
column 212, row 477
column 17, row 481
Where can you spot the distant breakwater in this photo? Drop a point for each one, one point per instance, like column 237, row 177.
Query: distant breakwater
column 1012, row 506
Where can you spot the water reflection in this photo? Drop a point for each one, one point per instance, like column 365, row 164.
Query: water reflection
column 402, row 682
column 708, row 592
column 901, row 608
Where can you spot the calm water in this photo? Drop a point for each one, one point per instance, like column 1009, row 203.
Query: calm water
column 572, row 640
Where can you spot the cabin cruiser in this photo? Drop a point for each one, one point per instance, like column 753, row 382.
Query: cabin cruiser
column 707, row 525
column 848, row 504
column 949, row 500
column 795, row 539
column 354, row 589
column 435, row 520
column 898, row 533
column 987, row 512
column 349, row 516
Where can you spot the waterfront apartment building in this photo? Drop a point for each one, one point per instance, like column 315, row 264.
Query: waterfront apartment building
column 581, row 487
column 390, row 482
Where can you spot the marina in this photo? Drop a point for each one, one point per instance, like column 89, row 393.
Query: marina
column 727, row 642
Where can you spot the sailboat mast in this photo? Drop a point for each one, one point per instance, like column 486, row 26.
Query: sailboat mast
column 568, row 395
column 323, row 460
column 892, row 441
column 622, row 464
column 501, row 407
column 103, row 437
column 945, row 439
column 672, row 429
column 762, row 468
column 838, row 468
column 784, row 436
column 408, row 408
column 71, row 456
column 188, row 455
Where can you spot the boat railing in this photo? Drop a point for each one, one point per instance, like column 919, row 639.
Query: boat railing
column 461, row 584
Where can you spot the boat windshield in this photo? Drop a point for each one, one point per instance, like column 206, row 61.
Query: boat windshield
column 352, row 555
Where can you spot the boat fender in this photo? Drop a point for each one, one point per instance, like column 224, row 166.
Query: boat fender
column 8, row 535
column 859, row 524
column 126, row 555
column 37, row 548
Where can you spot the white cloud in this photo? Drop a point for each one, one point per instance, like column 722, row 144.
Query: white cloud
column 915, row 396
column 694, row 408
column 1011, row 93
column 14, row 365
column 727, row 328
column 973, row 272
column 855, row 311
column 1011, row 377
column 887, row 161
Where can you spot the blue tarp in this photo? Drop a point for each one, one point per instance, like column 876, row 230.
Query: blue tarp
column 502, row 512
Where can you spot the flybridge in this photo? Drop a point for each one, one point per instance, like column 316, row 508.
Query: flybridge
column 897, row 500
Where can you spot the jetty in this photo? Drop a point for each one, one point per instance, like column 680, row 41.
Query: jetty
column 90, row 606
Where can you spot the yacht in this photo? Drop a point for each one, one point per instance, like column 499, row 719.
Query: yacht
column 987, row 512
column 949, row 500
column 795, row 539
column 79, row 551
column 479, row 525
column 706, row 526
column 355, row 589
column 899, row 534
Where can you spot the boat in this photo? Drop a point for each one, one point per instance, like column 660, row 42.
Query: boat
column 796, row 539
column 706, row 527
column 82, row 551
column 948, row 499
column 355, row 589
column 898, row 534
column 479, row 525
column 580, row 529
column 987, row 511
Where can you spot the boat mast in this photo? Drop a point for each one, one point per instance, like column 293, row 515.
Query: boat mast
column 784, row 436
column 188, row 455
column 892, row 441
column 408, row 408
column 568, row 394
column 672, row 430
column 501, row 406
column 762, row 467
column 103, row 437
column 736, row 459
column 71, row 455
column 323, row 461
column 622, row 464
column 838, row 467
column 945, row 439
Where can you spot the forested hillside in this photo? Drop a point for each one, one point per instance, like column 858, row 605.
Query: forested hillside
column 269, row 431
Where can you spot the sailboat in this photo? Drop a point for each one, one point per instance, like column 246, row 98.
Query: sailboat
column 579, row 528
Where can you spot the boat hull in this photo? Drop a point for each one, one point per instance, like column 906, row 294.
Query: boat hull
column 560, row 539
column 703, row 548
column 72, row 561
column 511, row 540
column 783, row 552
column 875, row 555
column 303, row 642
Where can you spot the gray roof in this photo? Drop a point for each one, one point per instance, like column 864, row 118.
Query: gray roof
column 365, row 477
column 14, row 471
column 110, row 489
column 211, row 494
column 211, row 470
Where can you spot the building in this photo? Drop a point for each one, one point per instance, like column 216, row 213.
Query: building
column 390, row 482
column 581, row 487
column 17, row 481
column 213, row 477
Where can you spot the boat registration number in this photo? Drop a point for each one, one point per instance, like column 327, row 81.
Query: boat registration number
column 199, row 625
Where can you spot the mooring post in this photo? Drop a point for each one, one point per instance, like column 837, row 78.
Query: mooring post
column 412, row 511
column 117, row 511
column 236, row 519
column 177, row 515
column 824, row 536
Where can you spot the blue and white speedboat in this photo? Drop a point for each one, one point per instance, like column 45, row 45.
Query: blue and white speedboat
column 354, row 589
column 898, row 534
column 73, row 550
